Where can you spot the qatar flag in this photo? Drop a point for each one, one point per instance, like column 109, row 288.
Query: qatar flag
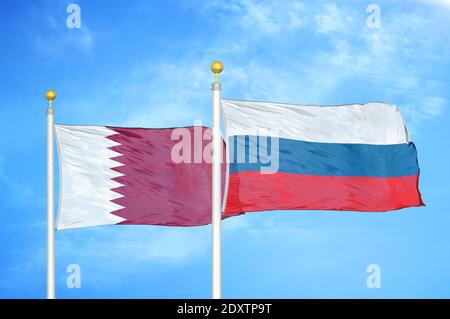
column 113, row 175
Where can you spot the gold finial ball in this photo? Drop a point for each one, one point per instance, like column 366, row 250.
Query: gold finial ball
column 50, row 95
column 216, row 67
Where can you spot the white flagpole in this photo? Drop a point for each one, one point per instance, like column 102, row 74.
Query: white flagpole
column 50, row 96
column 216, row 68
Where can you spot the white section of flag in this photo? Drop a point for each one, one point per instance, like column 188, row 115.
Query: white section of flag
column 371, row 123
column 86, row 177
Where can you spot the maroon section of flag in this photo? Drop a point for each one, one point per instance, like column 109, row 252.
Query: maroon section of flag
column 167, row 175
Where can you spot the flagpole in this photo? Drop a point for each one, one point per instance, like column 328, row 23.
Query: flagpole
column 50, row 95
column 216, row 68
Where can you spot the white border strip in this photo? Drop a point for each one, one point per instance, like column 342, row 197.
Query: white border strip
column 86, row 174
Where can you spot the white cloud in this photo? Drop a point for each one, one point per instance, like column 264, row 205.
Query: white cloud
column 57, row 42
column 272, row 17
column 444, row 3
column 434, row 106
column 132, row 245
column 168, row 94
column 333, row 20
column 390, row 59
column 54, row 38
column 266, row 17
column 423, row 108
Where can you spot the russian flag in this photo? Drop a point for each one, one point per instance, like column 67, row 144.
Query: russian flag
column 355, row 157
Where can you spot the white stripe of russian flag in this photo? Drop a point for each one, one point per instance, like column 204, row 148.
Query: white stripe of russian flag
column 371, row 123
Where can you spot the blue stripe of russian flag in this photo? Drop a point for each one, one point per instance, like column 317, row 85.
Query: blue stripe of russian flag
column 325, row 159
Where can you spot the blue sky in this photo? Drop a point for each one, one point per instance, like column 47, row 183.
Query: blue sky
column 146, row 63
